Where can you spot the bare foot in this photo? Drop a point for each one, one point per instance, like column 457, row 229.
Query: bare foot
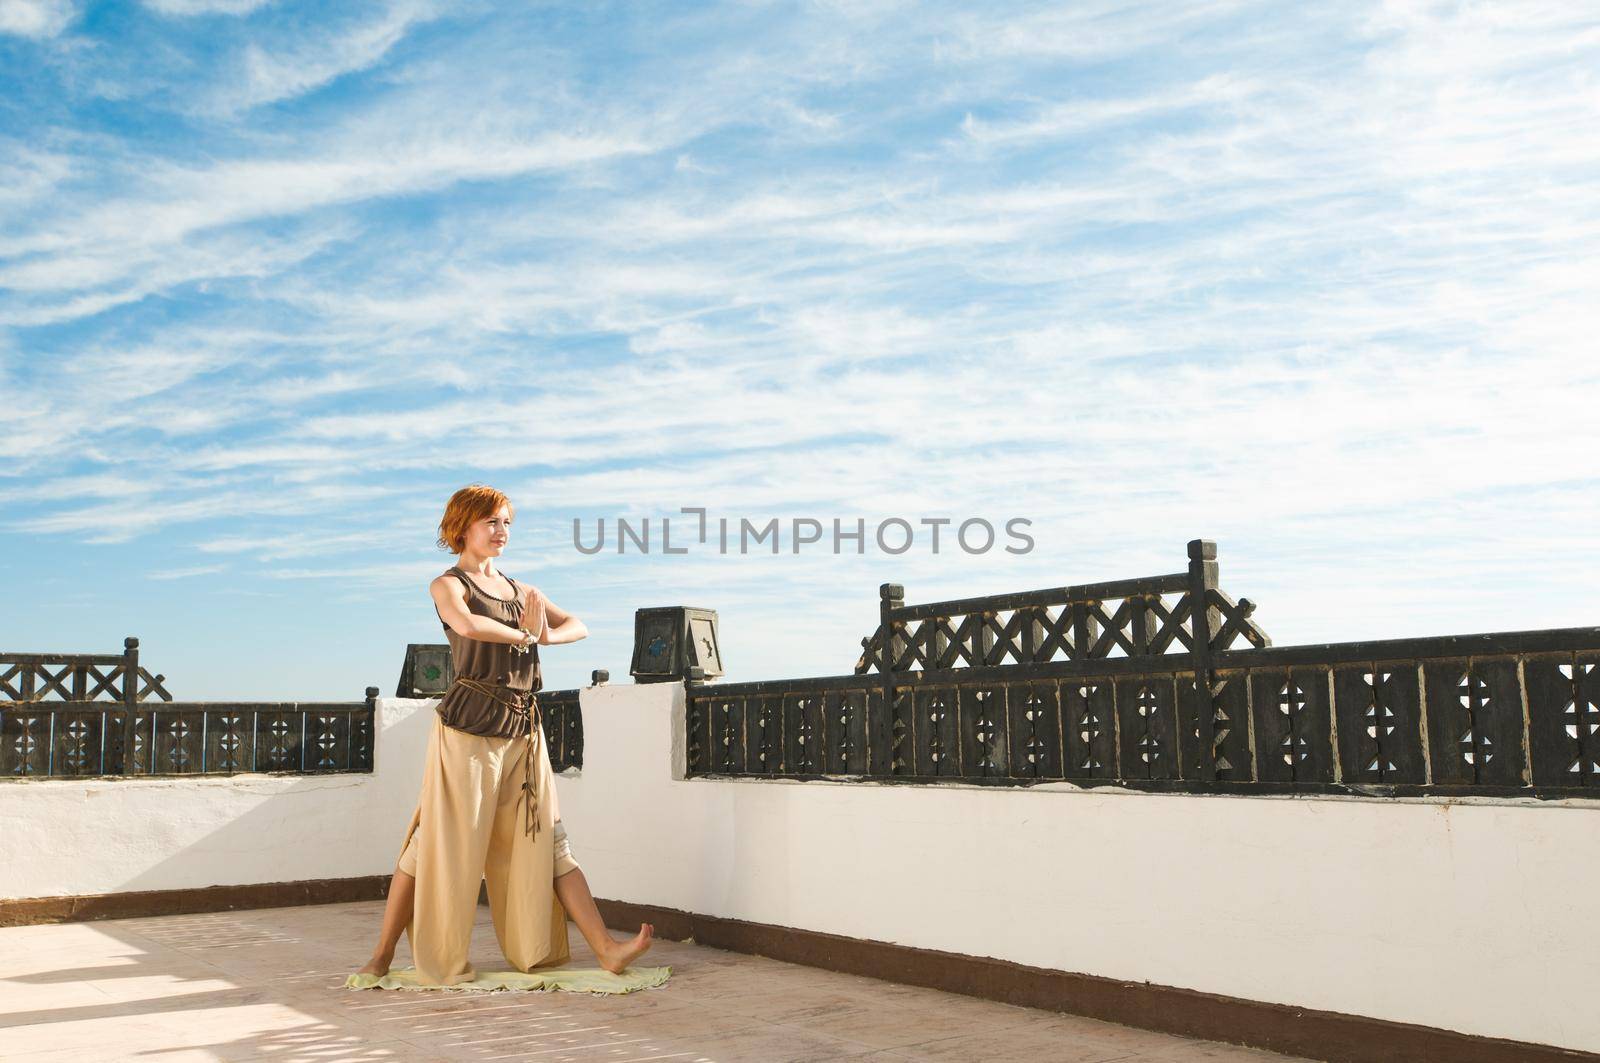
column 621, row 953
column 378, row 965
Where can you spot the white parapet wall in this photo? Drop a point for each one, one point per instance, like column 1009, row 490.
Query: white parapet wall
column 1472, row 916
column 70, row 837
column 1476, row 916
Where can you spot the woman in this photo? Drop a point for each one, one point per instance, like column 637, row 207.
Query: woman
column 488, row 809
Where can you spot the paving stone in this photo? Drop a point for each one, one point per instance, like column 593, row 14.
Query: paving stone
column 269, row 984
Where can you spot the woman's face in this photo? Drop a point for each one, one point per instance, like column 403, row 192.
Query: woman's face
column 489, row 536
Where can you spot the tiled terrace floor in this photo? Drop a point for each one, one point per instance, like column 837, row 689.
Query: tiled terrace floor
column 268, row 985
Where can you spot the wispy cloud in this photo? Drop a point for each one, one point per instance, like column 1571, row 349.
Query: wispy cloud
column 36, row 18
column 1077, row 117
column 1317, row 285
column 275, row 74
column 184, row 8
column 186, row 573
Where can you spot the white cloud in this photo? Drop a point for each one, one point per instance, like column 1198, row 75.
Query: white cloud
column 120, row 522
column 1322, row 302
column 38, row 19
column 28, row 174
column 186, row 573
column 273, row 75
column 1096, row 31
column 295, row 544
column 127, row 246
column 1079, row 116
column 184, row 8
column 90, row 279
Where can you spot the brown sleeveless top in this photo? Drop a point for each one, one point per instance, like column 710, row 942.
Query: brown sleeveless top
column 492, row 663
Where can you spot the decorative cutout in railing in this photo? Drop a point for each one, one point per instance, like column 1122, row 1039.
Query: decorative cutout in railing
column 58, row 723
column 75, row 734
column 82, row 738
column 55, row 739
column 563, row 728
column 1065, row 688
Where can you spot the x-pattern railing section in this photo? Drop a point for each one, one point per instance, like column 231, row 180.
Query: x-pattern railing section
column 104, row 715
column 1094, row 701
column 1125, row 618
column 34, row 677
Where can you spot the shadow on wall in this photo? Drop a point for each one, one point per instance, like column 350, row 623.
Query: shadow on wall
column 100, row 838
column 308, row 828
column 306, row 824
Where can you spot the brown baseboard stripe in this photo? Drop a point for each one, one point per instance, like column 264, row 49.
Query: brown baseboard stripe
column 32, row 910
column 1324, row 1035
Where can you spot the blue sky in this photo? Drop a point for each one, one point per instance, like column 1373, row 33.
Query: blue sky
column 275, row 279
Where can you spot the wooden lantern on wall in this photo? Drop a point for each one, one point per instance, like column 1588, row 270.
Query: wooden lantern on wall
column 669, row 639
column 428, row 670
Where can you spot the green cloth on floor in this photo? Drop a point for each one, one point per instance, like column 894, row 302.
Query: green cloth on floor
column 570, row 980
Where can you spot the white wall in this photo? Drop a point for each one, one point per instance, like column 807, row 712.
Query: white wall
column 1473, row 916
column 1478, row 917
column 63, row 837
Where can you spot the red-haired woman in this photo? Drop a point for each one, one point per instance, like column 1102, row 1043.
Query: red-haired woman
column 488, row 809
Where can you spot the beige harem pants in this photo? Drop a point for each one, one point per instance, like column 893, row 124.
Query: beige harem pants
column 469, row 827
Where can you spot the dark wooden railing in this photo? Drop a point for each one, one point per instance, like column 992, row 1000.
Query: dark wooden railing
column 79, row 677
column 82, row 738
column 563, row 728
column 1126, row 683
column 77, row 715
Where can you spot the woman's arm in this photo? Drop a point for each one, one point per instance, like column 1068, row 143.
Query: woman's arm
column 451, row 598
column 557, row 625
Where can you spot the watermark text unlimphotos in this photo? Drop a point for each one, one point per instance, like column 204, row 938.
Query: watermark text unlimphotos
column 728, row 535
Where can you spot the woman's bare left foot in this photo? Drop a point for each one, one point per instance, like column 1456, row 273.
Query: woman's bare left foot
column 622, row 953
column 378, row 965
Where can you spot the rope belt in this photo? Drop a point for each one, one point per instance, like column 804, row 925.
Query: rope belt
column 525, row 704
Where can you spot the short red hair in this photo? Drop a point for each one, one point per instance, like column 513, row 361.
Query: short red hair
column 466, row 507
